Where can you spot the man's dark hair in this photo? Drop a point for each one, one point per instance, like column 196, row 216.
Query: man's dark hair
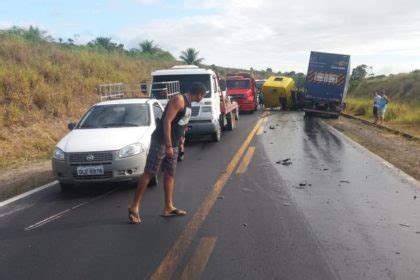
column 198, row 88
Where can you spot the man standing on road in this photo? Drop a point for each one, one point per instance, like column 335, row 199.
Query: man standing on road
column 163, row 153
column 376, row 100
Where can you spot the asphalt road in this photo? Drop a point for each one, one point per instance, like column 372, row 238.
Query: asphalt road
column 333, row 211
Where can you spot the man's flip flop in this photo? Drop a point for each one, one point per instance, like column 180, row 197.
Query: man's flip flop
column 132, row 216
column 175, row 212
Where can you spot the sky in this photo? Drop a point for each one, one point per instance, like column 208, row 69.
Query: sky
column 239, row 33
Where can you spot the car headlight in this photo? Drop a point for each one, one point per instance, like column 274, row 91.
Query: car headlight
column 58, row 154
column 131, row 150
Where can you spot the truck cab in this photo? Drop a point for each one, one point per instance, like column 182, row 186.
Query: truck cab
column 241, row 88
column 206, row 114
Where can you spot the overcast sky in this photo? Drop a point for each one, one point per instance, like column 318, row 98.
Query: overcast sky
column 240, row 33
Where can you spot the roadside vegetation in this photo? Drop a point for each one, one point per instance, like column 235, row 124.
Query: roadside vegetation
column 44, row 84
column 403, row 90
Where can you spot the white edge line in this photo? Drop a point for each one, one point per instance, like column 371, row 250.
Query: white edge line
column 382, row 160
column 28, row 193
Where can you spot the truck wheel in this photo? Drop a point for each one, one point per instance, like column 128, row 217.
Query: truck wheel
column 217, row 135
column 231, row 121
column 66, row 187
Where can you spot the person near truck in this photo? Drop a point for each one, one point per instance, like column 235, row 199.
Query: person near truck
column 376, row 100
column 382, row 105
column 163, row 152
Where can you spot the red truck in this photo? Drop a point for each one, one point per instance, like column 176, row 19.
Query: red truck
column 241, row 88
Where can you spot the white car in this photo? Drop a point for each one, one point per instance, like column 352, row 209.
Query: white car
column 110, row 143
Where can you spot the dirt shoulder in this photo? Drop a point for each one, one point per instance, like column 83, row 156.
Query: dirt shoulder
column 24, row 178
column 396, row 149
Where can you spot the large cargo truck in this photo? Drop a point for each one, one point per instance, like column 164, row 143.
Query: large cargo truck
column 241, row 88
column 326, row 84
column 278, row 92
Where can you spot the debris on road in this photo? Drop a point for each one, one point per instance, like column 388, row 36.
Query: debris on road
column 272, row 127
column 344, row 181
column 415, row 197
column 221, row 197
column 286, row 204
column 325, row 169
column 404, row 225
column 302, row 184
column 286, row 162
column 245, row 225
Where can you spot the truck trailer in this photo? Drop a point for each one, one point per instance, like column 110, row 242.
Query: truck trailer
column 326, row 84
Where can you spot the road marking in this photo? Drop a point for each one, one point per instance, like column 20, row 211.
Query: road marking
column 245, row 161
column 262, row 127
column 16, row 210
column 13, row 199
column 200, row 258
column 62, row 213
column 175, row 253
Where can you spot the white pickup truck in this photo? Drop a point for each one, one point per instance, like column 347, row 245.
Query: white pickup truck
column 213, row 113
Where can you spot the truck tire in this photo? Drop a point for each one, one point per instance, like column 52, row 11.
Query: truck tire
column 216, row 136
column 66, row 187
column 231, row 121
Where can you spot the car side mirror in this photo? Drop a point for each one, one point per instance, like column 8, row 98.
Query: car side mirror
column 71, row 126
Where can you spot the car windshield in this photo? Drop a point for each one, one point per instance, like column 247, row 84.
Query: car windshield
column 185, row 82
column 237, row 84
column 116, row 115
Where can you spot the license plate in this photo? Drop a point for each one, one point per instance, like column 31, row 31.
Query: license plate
column 90, row 170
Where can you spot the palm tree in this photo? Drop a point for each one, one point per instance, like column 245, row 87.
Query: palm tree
column 190, row 56
column 148, row 47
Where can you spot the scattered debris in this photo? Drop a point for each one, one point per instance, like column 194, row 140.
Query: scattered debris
column 286, row 204
column 398, row 253
column 221, row 197
column 265, row 131
column 344, row 181
column 245, row 225
column 325, row 169
column 271, row 143
column 405, row 225
column 286, row 162
column 272, row 127
column 415, row 197
column 302, row 184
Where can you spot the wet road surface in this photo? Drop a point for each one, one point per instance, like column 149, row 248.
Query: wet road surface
column 335, row 212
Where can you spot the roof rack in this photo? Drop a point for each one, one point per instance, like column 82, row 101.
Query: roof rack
column 138, row 90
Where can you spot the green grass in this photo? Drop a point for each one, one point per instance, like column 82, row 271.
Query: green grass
column 397, row 112
column 45, row 85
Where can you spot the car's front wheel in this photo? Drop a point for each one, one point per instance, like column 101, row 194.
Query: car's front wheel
column 66, row 187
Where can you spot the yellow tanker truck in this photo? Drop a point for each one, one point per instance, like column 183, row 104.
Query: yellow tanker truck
column 278, row 92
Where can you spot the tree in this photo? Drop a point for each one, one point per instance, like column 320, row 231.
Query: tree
column 357, row 75
column 190, row 56
column 148, row 47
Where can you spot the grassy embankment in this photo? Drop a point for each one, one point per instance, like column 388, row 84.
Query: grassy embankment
column 44, row 85
column 403, row 111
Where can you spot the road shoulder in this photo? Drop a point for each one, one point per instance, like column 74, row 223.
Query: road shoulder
column 398, row 150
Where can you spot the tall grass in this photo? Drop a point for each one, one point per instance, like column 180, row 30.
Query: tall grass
column 397, row 112
column 43, row 85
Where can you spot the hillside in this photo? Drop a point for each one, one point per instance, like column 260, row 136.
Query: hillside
column 44, row 85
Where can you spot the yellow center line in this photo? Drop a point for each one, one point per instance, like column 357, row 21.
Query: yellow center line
column 245, row 161
column 199, row 260
column 175, row 253
column 261, row 130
